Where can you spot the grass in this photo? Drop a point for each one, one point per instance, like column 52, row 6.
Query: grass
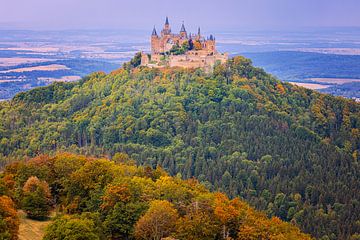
column 32, row 229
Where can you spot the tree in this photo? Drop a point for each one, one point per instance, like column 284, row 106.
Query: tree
column 120, row 221
column 158, row 222
column 114, row 194
column 197, row 45
column 37, row 198
column 123, row 158
column 186, row 46
column 136, row 61
column 9, row 222
column 228, row 213
column 74, row 228
column 196, row 225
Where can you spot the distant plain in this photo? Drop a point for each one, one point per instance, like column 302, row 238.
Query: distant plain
column 325, row 59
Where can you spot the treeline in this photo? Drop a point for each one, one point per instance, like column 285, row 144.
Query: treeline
column 102, row 199
column 289, row 151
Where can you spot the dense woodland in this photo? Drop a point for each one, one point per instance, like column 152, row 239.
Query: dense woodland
column 102, row 199
column 289, row 151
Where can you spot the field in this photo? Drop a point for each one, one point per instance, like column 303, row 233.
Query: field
column 31, row 229
column 313, row 86
column 334, row 80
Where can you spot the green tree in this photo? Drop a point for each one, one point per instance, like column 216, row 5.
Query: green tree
column 36, row 201
column 120, row 221
column 67, row 227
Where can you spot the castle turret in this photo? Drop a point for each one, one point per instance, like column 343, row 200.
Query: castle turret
column 183, row 31
column 154, row 33
column 210, row 44
column 167, row 29
column 155, row 42
column 198, row 36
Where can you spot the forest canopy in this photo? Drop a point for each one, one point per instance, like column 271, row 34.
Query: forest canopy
column 100, row 199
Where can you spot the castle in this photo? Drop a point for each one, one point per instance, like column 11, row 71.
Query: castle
column 182, row 50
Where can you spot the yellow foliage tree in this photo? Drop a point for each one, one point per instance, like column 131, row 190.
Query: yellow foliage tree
column 158, row 222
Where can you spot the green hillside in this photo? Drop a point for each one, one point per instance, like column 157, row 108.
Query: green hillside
column 289, row 151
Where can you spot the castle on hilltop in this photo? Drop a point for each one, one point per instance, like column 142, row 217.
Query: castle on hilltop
column 182, row 50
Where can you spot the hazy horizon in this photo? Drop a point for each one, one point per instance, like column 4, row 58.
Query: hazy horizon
column 228, row 15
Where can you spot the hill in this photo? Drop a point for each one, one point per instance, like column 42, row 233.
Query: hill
column 289, row 151
column 101, row 199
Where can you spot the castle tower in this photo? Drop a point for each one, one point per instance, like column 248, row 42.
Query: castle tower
column 198, row 36
column 155, row 42
column 154, row 33
column 167, row 29
column 183, row 33
column 210, row 44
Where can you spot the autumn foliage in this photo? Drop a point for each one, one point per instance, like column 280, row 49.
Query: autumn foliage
column 36, row 199
column 9, row 222
column 101, row 199
column 158, row 222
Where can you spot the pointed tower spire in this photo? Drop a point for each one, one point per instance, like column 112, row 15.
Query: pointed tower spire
column 183, row 31
column 154, row 33
column 182, row 27
column 166, row 30
column 199, row 33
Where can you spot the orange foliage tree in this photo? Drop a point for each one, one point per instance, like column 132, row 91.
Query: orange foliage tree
column 228, row 212
column 114, row 194
column 9, row 222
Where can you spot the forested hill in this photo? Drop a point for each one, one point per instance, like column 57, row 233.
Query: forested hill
column 289, row 151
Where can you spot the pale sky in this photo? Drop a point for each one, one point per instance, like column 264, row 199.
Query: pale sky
column 210, row 14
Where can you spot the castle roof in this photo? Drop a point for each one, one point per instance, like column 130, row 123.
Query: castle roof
column 154, row 33
column 183, row 28
column 167, row 21
column 199, row 31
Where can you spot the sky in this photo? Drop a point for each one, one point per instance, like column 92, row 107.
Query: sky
column 210, row 14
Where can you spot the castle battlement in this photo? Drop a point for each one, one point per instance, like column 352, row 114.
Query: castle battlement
column 182, row 50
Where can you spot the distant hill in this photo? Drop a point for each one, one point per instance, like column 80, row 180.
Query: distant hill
column 289, row 151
